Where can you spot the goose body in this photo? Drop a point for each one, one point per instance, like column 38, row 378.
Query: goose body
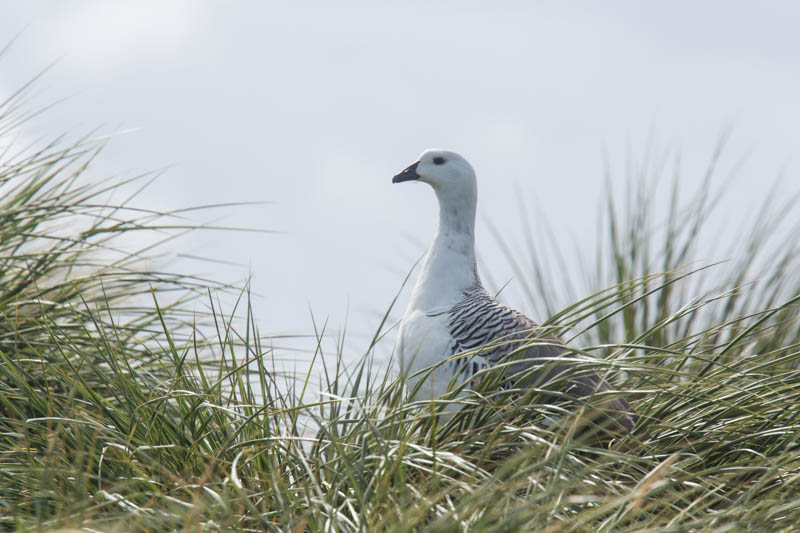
column 450, row 312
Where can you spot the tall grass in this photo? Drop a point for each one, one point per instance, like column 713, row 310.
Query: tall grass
column 120, row 412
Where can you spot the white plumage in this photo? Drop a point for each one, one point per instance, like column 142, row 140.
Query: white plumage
column 450, row 312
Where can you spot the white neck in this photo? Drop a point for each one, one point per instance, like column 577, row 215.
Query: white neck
column 449, row 267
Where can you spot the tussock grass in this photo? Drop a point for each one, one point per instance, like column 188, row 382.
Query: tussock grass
column 124, row 408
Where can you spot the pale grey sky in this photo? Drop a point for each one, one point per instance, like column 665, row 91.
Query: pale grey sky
column 315, row 108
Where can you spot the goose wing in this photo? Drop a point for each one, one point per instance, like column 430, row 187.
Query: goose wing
column 480, row 320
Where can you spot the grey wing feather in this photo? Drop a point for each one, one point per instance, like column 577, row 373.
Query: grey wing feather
column 479, row 320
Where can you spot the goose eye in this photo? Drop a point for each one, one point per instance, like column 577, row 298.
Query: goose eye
column 438, row 160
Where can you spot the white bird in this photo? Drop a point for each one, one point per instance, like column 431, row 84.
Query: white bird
column 450, row 312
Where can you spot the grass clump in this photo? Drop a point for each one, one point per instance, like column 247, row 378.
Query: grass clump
column 123, row 408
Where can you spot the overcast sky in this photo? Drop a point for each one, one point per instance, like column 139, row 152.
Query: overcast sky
column 315, row 108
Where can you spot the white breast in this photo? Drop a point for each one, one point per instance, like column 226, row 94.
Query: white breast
column 425, row 341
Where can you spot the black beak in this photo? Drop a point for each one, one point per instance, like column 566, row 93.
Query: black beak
column 407, row 175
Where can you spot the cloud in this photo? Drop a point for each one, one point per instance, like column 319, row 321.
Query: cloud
column 105, row 36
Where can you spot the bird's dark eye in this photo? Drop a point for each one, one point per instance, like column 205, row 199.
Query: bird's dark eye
column 438, row 160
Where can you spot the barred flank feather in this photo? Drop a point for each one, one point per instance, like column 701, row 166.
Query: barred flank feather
column 480, row 320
